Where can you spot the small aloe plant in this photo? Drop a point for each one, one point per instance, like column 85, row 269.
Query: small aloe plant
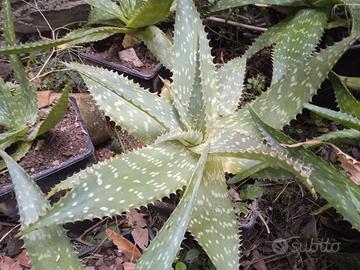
column 199, row 133
column 18, row 104
column 106, row 19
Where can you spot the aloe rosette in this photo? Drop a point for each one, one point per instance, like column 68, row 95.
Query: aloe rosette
column 200, row 133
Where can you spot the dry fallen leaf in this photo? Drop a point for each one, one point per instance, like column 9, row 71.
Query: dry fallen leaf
column 141, row 237
column 129, row 266
column 234, row 195
column 24, row 259
column 348, row 163
column 123, row 244
column 136, row 219
column 7, row 263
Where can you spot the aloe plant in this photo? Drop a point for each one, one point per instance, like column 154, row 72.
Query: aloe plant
column 348, row 116
column 106, row 19
column 18, row 103
column 194, row 136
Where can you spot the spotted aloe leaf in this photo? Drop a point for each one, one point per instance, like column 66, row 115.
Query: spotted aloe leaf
column 21, row 150
column 346, row 101
column 161, row 253
column 213, row 221
column 188, row 137
column 147, row 114
column 123, row 183
column 193, row 67
column 79, row 36
column 110, row 8
column 354, row 8
column 48, row 248
column 158, row 43
column 333, row 185
column 339, row 117
column 27, row 94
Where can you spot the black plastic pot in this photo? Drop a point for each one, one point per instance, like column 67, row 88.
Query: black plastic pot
column 149, row 81
column 349, row 63
column 49, row 177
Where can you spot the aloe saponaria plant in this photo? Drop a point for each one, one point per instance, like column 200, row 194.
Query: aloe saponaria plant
column 193, row 137
column 106, row 19
column 19, row 116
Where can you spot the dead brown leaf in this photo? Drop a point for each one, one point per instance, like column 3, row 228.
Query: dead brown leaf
column 129, row 266
column 24, row 259
column 136, row 219
column 141, row 237
column 123, row 244
column 348, row 163
column 7, row 263
column 234, row 195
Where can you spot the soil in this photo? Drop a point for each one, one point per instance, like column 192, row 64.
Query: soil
column 65, row 141
column 109, row 50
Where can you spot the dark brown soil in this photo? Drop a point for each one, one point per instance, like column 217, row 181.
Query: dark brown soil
column 65, row 141
column 109, row 49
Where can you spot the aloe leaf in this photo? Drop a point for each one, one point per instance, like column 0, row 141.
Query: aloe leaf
column 339, row 117
column 189, row 37
column 12, row 116
column 28, row 108
column 123, row 183
column 273, row 174
column 48, row 248
column 82, row 35
column 99, row 17
column 354, row 8
column 333, row 185
column 243, row 168
column 158, row 43
column 213, row 222
column 140, row 112
column 346, row 101
column 54, row 116
column 164, row 247
column 303, row 33
column 188, row 137
column 19, row 153
column 8, row 138
column 347, row 136
column 151, row 12
column 108, row 7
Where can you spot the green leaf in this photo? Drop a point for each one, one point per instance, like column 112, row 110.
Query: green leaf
column 302, row 35
column 164, row 247
column 151, row 12
column 48, row 248
column 333, row 185
column 28, row 108
column 108, row 7
column 273, row 174
column 143, row 114
column 354, row 8
column 339, row 117
column 243, row 168
column 99, row 17
column 123, row 183
column 347, row 136
column 251, row 192
column 213, row 222
column 82, row 35
column 19, row 153
column 346, row 101
column 158, row 43
column 54, row 116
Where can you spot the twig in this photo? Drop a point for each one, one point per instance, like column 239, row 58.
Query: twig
column 242, row 25
column 10, row 231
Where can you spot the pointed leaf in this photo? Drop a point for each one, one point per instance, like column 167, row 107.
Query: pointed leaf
column 347, row 136
column 189, row 137
column 123, row 183
column 339, row 117
column 334, row 186
column 346, row 101
column 159, row 45
column 164, row 247
column 108, row 7
column 151, row 12
column 48, row 248
column 82, row 35
column 213, row 221
column 141, row 113
column 99, row 17
column 28, row 108
column 20, row 152
column 54, row 116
